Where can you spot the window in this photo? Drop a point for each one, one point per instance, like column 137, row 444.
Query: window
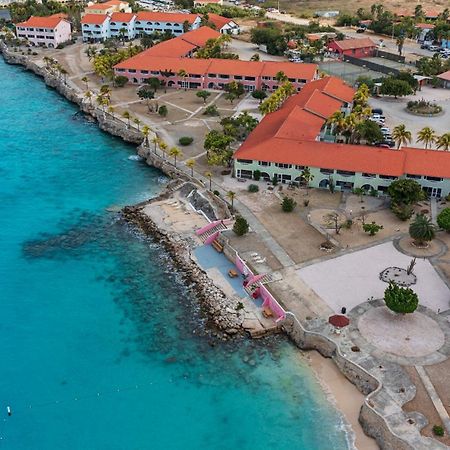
column 263, row 163
column 244, row 173
column 212, row 75
column 245, row 161
column 132, row 70
column 154, row 72
column 299, row 167
column 433, row 178
column 345, row 173
column 249, row 78
column 382, row 188
column 415, row 177
column 120, row 70
column 387, row 177
column 238, row 77
column 283, row 165
column 144, row 72
column 221, row 75
column 300, row 80
column 292, row 80
column 266, row 78
column 368, row 175
column 327, row 171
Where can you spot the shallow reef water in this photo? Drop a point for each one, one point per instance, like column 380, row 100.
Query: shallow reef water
column 102, row 345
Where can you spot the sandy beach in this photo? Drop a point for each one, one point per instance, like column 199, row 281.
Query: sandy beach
column 344, row 394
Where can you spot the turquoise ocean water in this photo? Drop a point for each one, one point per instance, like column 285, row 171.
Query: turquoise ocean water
column 101, row 346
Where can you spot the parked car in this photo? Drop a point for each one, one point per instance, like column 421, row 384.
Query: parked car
column 378, row 111
column 360, row 30
column 385, row 130
column 433, row 48
column 425, row 46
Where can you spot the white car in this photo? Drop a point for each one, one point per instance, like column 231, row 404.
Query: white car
column 385, row 130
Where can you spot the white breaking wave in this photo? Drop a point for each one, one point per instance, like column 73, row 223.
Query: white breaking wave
column 135, row 158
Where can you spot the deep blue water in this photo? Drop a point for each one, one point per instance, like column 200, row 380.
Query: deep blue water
column 101, row 346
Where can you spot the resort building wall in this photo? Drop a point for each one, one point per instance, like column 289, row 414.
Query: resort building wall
column 45, row 31
column 343, row 180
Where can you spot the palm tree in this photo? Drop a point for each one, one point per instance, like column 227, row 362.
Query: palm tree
column 191, row 163
column 401, row 135
column 163, row 146
column 281, row 77
column 88, row 95
column 427, row 136
column 422, row 229
column 337, row 120
column 137, row 122
column 231, row 196
column 443, row 141
column 175, row 152
column 85, row 80
column 127, row 115
column 145, row 132
column 209, row 175
column 155, row 141
column 183, row 75
column 307, row 177
column 105, row 90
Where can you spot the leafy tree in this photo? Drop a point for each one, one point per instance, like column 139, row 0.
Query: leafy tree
column 288, row 204
column 405, row 191
column 369, row 131
column 217, row 146
column 203, row 95
column 402, row 211
column 393, row 87
column 400, row 300
column 146, row 93
column 255, row 57
column 153, row 83
column 240, row 226
column 256, row 175
column 359, row 191
column 235, row 88
column 211, row 110
column 259, row 95
column 230, row 96
column 409, row 78
column 427, row 136
column 422, row 229
column 306, row 176
column 272, row 38
column 175, row 153
column 401, row 135
column 372, row 228
column 163, row 111
column 185, row 140
column 443, row 142
column 120, row 81
column 443, row 219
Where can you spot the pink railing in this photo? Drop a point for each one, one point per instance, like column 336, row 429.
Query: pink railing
column 270, row 302
column 207, row 227
column 212, row 238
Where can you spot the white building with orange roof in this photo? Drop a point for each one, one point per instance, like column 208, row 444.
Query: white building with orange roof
column 177, row 23
column 122, row 25
column 48, row 31
column 95, row 27
column 108, row 7
column 223, row 25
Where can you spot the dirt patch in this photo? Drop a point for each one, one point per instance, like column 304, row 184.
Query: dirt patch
column 423, row 404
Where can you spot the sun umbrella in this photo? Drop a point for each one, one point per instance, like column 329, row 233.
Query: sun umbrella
column 339, row 321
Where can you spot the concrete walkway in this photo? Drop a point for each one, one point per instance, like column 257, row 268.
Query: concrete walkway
column 433, row 205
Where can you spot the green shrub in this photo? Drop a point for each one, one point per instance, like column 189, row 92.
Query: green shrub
column 443, row 219
column 216, row 193
column 240, row 226
column 288, row 204
column 274, row 180
column 400, row 300
column 422, row 229
column 253, row 188
column 257, row 175
column 372, row 228
column 185, row 140
column 120, row 81
column 402, row 211
column 438, row 430
column 211, row 110
column 163, row 111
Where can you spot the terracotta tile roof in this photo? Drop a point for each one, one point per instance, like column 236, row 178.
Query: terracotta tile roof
column 424, row 26
column 218, row 21
column 115, row 2
column 94, row 19
column 99, row 6
column 199, row 36
column 174, row 47
column 155, row 16
column 236, row 67
column 350, row 44
column 322, row 105
column 41, row 22
column 142, row 62
column 432, row 163
column 445, row 76
column 291, row 70
column 122, row 17
column 354, row 158
column 300, row 125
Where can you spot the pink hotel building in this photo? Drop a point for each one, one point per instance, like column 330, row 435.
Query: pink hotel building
column 166, row 60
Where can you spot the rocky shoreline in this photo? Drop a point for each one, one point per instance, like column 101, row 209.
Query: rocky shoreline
column 223, row 313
